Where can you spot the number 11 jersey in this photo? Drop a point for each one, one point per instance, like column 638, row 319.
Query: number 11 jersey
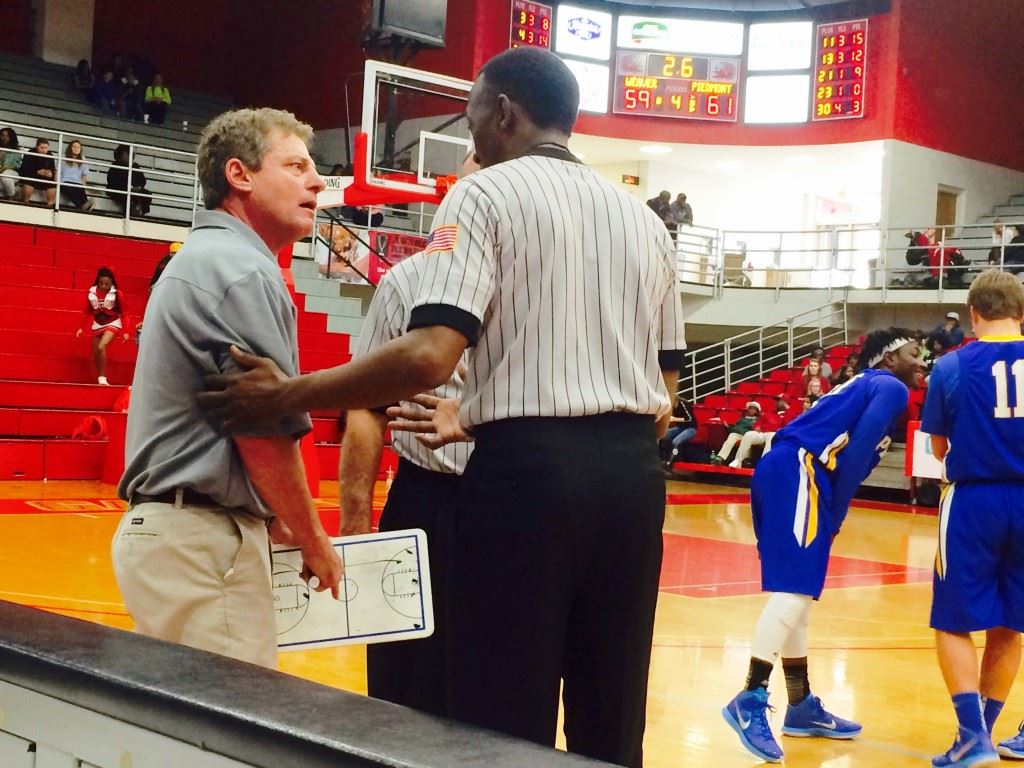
column 976, row 399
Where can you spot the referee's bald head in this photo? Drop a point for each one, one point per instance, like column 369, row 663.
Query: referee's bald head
column 520, row 96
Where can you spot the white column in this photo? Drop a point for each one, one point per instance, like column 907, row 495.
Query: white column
column 63, row 32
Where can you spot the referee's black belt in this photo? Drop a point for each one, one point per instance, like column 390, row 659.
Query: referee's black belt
column 188, row 498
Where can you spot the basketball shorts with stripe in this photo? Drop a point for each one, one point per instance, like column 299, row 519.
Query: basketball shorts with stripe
column 791, row 502
column 978, row 581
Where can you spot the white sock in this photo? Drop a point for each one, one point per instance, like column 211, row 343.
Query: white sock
column 102, row 380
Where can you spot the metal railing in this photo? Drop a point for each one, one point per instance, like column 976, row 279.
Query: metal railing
column 174, row 194
column 752, row 355
column 840, row 258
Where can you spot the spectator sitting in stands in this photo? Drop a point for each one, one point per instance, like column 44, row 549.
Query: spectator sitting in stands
column 1015, row 251
column 763, row 432
column 813, row 377
column 950, row 332
column 1001, row 236
column 158, row 99
column 10, row 162
column 106, row 311
column 682, row 427
column 74, row 176
column 130, row 96
column 84, row 80
column 818, row 353
column 38, row 171
column 745, row 423
column 936, row 349
column 106, row 93
column 809, row 401
column 117, row 183
column 846, row 372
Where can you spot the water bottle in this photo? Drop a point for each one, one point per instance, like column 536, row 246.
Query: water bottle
column 184, row 126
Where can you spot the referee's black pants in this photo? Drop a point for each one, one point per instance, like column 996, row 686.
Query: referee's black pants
column 554, row 576
column 413, row 672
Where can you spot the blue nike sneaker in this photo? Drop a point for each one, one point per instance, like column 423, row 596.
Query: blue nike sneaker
column 809, row 718
column 971, row 748
column 747, row 715
column 1013, row 747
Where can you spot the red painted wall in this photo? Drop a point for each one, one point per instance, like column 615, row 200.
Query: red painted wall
column 16, row 24
column 948, row 80
column 190, row 41
column 961, row 78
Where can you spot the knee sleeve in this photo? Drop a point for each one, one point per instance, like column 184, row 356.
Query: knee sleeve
column 782, row 627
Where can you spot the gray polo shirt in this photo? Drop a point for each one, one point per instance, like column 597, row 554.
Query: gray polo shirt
column 223, row 287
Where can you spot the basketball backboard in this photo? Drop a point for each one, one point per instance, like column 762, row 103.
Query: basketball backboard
column 414, row 137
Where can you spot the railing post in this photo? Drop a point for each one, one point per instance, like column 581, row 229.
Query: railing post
column 128, row 191
column 693, row 378
column 728, row 365
column 883, row 261
column 57, row 166
column 760, row 353
column 942, row 262
column 789, row 343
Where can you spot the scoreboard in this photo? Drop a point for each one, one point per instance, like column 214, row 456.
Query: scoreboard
column 668, row 66
column 531, row 24
column 680, row 85
column 839, row 66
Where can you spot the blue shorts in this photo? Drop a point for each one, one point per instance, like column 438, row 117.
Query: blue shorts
column 791, row 501
column 979, row 567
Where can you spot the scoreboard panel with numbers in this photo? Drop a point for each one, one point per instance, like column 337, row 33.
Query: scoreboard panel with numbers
column 531, row 24
column 840, row 63
column 677, row 85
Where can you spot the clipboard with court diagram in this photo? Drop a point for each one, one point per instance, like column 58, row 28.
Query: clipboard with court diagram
column 384, row 595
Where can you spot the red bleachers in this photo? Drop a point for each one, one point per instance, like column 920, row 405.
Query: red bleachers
column 47, row 390
column 715, row 412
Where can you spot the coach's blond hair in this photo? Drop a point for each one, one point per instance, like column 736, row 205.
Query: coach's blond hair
column 997, row 296
column 241, row 133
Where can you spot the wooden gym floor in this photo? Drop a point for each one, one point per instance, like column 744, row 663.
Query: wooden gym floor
column 872, row 655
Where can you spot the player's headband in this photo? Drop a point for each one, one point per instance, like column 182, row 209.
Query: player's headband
column 892, row 346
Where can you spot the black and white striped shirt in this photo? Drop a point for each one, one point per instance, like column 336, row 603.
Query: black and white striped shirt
column 387, row 319
column 566, row 285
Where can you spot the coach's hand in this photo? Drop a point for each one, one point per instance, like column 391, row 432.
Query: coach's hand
column 250, row 397
column 434, row 420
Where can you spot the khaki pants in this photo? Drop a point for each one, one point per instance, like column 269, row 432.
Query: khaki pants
column 198, row 576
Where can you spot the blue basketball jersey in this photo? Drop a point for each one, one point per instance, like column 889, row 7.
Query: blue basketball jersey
column 848, row 430
column 976, row 399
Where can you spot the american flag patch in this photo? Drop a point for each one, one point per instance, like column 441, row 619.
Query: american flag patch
column 443, row 239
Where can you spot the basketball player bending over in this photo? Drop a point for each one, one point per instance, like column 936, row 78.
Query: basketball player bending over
column 799, row 497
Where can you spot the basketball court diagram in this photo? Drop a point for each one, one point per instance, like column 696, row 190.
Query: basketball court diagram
column 384, row 596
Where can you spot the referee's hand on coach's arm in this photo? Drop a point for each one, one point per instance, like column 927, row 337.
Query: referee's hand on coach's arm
column 240, row 399
column 434, row 420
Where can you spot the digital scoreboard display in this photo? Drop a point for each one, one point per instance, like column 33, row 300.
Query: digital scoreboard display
column 840, row 63
column 677, row 85
column 531, row 25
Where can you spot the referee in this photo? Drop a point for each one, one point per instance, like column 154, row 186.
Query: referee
column 566, row 287
column 423, row 495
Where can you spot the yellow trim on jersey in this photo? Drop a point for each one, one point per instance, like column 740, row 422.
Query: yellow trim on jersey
column 1011, row 337
column 828, row 456
column 945, row 504
column 812, row 502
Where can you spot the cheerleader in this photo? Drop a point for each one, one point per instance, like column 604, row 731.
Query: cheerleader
column 106, row 313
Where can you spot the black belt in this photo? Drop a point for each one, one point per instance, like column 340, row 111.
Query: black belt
column 188, row 497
